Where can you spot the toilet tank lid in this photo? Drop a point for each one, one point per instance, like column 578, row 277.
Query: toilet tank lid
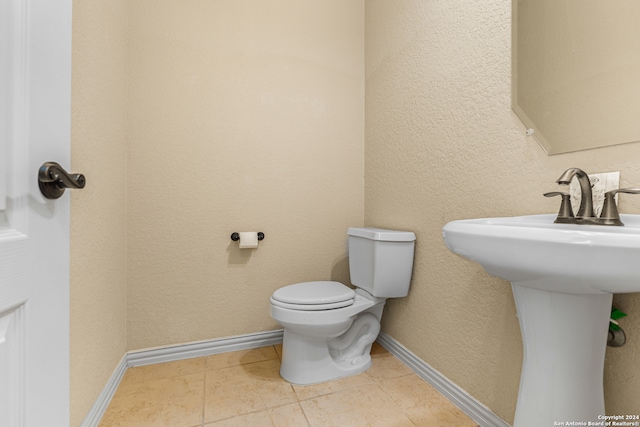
column 382, row 234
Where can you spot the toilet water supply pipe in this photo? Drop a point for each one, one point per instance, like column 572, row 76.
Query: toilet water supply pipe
column 352, row 343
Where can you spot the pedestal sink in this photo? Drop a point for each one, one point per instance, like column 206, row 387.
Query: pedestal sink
column 563, row 278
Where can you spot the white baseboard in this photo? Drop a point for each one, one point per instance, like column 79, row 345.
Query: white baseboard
column 467, row 404
column 474, row 409
column 203, row 348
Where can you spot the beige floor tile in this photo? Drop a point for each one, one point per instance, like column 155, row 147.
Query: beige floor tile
column 423, row 404
column 363, row 407
column 165, row 370
column 171, row 402
column 230, row 400
column 385, row 366
column 256, row 419
column 305, row 392
column 232, row 375
column 266, row 377
column 288, row 416
column 236, row 358
column 230, row 392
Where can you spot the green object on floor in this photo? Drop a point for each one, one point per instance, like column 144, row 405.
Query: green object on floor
column 615, row 315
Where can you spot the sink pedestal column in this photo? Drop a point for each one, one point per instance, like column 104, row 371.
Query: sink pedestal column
column 565, row 339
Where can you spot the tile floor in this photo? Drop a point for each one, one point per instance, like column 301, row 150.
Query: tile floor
column 244, row 389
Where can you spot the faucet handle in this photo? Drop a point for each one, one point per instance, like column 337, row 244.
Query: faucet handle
column 610, row 215
column 565, row 215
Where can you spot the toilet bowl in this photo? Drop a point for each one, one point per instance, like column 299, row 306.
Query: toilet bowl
column 324, row 344
column 329, row 327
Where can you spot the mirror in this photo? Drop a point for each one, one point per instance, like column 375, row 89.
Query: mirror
column 576, row 72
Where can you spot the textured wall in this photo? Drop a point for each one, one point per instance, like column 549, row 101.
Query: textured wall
column 243, row 115
column 98, row 290
column 442, row 144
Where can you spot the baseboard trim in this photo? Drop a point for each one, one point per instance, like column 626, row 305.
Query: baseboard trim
column 467, row 404
column 203, row 348
column 173, row 353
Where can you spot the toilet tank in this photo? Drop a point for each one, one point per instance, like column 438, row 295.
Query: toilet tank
column 381, row 261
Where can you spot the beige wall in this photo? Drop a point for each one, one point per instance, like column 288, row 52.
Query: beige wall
column 243, row 115
column 98, row 293
column 442, row 144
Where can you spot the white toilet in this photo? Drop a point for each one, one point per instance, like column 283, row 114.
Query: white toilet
column 329, row 327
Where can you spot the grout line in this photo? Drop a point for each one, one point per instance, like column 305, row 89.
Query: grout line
column 305, row 414
column 204, row 391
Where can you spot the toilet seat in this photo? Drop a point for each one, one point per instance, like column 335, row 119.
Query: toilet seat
column 313, row 296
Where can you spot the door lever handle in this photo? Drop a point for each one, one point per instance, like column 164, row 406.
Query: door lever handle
column 53, row 180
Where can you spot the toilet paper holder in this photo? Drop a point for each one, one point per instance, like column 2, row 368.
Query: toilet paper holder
column 235, row 236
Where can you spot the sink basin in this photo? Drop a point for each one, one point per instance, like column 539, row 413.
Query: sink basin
column 563, row 278
column 535, row 252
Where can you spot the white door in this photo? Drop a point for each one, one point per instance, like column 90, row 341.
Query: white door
column 35, row 73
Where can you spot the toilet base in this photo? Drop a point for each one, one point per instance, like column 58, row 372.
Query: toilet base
column 312, row 359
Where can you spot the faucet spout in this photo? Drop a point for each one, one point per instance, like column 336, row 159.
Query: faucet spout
column 586, row 199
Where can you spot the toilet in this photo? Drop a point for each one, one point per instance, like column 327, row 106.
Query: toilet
column 329, row 327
